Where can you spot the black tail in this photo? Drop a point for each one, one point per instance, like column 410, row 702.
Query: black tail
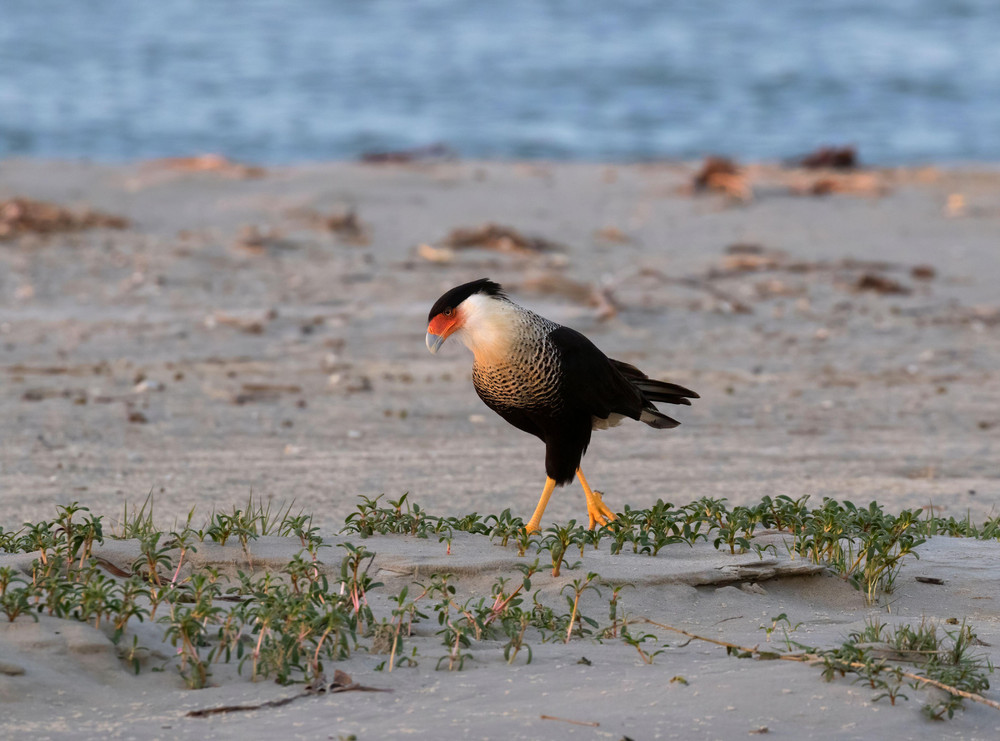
column 653, row 390
column 657, row 419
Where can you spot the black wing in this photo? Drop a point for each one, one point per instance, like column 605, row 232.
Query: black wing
column 590, row 380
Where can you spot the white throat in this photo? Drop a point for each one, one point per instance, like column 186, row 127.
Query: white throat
column 489, row 325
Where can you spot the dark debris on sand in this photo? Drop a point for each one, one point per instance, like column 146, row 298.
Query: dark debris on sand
column 497, row 237
column 836, row 158
column 429, row 153
column 20, row 216
column 722, row 175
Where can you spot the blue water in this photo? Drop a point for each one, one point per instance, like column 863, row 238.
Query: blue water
column 291, row 80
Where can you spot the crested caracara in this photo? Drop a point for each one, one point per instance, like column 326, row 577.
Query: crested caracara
column 548, row 380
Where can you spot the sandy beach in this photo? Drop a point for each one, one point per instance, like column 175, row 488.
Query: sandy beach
column 260, row 331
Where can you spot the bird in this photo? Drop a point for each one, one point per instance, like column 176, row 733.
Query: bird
column 549, row 381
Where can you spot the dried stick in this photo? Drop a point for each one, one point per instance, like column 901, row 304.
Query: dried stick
column 810, row 658
column 588, row 723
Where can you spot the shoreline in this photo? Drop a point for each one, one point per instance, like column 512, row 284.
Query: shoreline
column 414, row 156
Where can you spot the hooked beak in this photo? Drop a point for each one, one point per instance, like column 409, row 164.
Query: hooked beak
column 434, row 341
column 439, row 329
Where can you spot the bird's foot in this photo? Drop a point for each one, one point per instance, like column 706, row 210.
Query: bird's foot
column 598, row 512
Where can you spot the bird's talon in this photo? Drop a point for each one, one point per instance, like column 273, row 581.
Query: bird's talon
column 598, row 511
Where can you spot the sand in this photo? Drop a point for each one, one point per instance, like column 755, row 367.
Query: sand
column 226, row 342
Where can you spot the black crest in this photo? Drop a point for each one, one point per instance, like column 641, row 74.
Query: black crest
column 458, row 294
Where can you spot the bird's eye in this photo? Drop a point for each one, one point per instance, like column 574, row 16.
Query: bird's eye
column 449, row 311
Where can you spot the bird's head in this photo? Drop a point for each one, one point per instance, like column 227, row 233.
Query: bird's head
column 458, row 309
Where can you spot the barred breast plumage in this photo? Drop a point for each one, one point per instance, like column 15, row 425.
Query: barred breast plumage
column 527, row 376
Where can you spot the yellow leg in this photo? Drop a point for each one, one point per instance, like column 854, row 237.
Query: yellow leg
column 543, row 502
column 597, row 511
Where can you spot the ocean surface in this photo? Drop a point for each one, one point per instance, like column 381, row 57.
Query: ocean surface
column 273, row 81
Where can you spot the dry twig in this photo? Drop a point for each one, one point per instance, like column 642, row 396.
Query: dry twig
column 812, row 658
column 588, row 723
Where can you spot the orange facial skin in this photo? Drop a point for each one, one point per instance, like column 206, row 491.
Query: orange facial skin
column 440, row 328
column 442, row 325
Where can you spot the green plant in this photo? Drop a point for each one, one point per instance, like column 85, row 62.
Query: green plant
column 635, row 640
column 186, row 626
column 505, row 526
column 301, row 526
column 403, row 614
column 79, row 538
column 525, row 539
column 557, row 540
column 612, row 630
column 14, row 600
column 577, row 587
column 786, row 628
column 154, row 557
column 354, row 575
column 139, row 524
column 288, row 623
column 454, row 631
column 129, row 605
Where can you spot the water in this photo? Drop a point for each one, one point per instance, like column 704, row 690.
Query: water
column 291, row 80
